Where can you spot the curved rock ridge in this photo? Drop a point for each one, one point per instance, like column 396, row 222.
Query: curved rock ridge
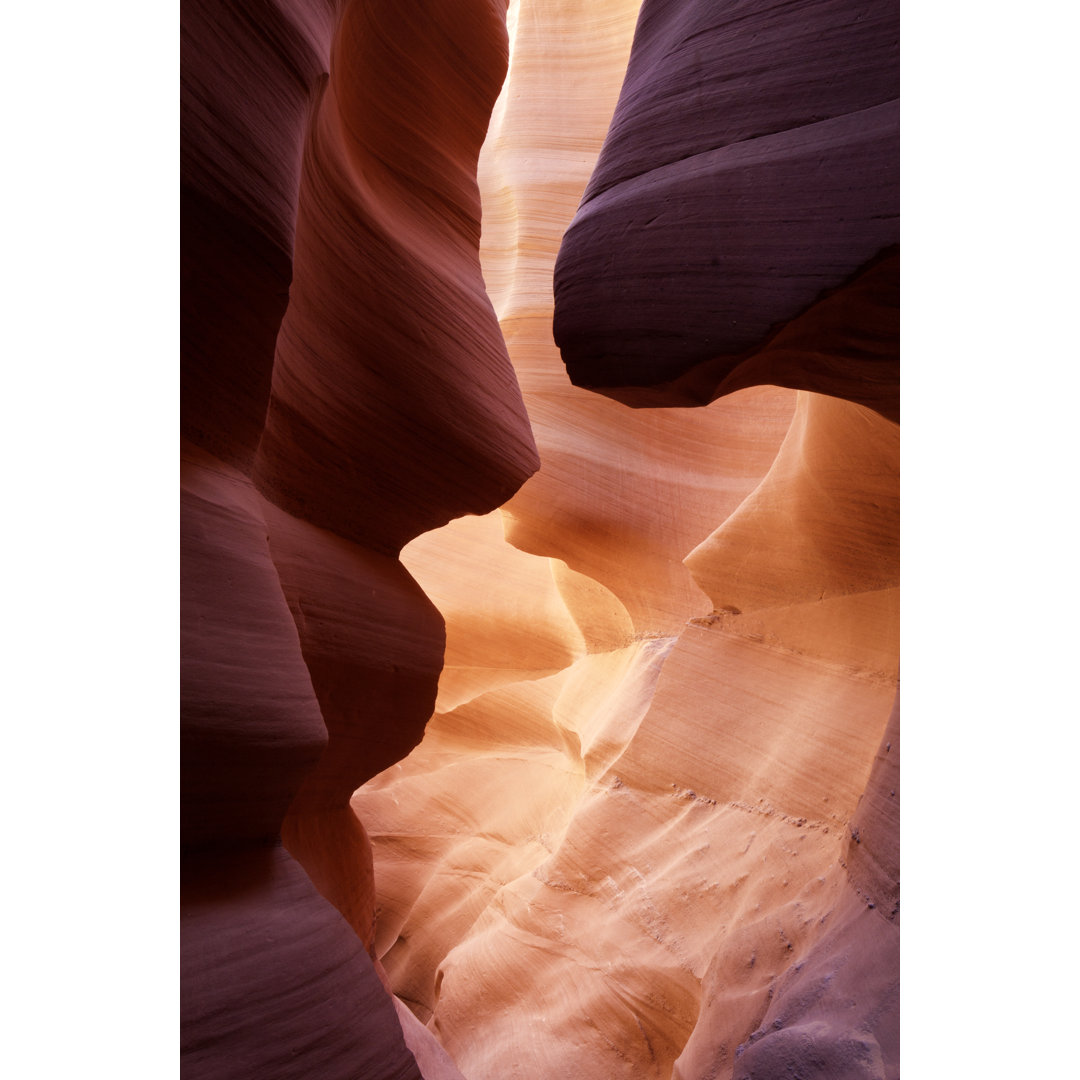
column 344, row 388
column 244, row 100
column 832, row 497
column 406, row 401
column 742, row 223
column 651, row 826
column 651, row 830
column 616, row 868
column 620, row 497
column 509, row 616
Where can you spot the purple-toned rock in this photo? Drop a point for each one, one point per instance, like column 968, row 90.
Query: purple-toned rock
column 742, row 224
column 344, row 387
column 274, row 983
column 248, row 68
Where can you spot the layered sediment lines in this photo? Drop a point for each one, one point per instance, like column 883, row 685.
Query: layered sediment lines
column 742, row 223
column 653, row 862
column 345, row 387
column 652, row 828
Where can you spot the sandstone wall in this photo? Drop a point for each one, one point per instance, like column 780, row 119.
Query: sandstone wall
column 634, row 840
column 651, row 828
column 345, row 387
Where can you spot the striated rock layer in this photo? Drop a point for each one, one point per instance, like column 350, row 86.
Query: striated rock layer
column 652, row 828
column 657, row 859
column 345, row 387
column 742, row 223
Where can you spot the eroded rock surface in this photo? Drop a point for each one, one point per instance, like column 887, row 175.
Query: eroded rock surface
column 651, row 826
column 742, row 223
column 630, row 844
column 345, row 387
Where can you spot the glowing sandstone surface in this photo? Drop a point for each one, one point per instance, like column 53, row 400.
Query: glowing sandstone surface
column 624, row 847
column 651, row 829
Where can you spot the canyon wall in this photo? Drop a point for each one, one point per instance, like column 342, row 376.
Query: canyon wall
column 345, row 388
column 652, row 829
column 651, row 826
column 742, row 223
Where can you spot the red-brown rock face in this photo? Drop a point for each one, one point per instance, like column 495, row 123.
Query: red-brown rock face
column 392, row 387
column 328, row 158
column 574, row 726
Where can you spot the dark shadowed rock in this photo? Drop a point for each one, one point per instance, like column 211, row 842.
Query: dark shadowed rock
column 742, row 223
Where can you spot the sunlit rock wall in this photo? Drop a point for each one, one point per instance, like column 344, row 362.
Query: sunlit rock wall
column 345, row 388
column 652, row 829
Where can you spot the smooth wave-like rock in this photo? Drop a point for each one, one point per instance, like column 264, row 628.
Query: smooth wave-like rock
column 651, row 827
column 345, row 387
column 605, row 871
column 836, row 1013
column 372, row 644
column 650, row 862
column 240, row 660
column 244, row 101
column 621, row 496
column 391, row 385
column 274, row 982
column 742, row 223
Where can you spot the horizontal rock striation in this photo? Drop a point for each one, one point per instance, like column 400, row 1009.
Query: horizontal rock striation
column 392, row 387
column 344, row 388
column 525, row 734
column 742, row 223
column 651, row 830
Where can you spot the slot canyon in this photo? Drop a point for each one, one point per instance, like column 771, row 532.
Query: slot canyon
column 540, row 540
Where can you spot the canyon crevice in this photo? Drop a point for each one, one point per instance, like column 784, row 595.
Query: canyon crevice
column 525, row 733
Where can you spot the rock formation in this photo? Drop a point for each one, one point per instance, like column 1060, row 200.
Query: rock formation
column 651, row 826
column 742, row 223
column 643, row 864
column 345, row 388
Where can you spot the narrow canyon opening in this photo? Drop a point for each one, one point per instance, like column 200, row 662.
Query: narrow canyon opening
column 527, row 733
